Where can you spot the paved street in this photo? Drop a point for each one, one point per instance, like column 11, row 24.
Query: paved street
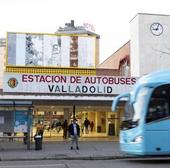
column 93, row 154
column 118, row 163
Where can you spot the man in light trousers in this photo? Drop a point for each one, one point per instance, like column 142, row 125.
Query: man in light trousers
column 74, row 130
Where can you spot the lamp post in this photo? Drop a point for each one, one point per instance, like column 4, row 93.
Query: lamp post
column 29, row 127
column 74, row 111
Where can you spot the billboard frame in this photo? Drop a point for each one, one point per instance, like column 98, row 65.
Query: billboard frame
column 55, row 67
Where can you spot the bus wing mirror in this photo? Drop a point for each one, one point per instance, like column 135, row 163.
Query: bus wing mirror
column 117, row 99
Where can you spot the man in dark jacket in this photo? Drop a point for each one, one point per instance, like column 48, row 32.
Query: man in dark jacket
column 74, row 131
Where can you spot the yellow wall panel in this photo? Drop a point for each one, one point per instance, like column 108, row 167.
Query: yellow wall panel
column 63, row 71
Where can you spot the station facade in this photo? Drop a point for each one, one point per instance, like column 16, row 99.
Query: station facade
column 58, row 76
column 48, row 78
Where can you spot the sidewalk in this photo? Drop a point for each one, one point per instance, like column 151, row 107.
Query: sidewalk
column 61, row 150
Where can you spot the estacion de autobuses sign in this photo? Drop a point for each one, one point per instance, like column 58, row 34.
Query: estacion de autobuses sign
column 63, row 84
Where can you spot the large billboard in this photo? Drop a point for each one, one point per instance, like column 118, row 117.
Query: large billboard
column 50, row 50
column 67, row 84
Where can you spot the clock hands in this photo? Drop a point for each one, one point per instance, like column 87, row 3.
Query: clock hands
column 156, row 27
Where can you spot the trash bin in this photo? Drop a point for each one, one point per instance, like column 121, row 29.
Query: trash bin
column 38, row 142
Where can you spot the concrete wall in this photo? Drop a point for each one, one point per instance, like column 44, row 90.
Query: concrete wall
column 149, row 52
column 134, row 47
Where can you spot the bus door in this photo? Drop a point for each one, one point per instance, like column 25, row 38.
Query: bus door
column 157, row 128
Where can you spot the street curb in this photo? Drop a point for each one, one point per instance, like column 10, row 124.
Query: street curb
column 87, row 158
column 68, row 158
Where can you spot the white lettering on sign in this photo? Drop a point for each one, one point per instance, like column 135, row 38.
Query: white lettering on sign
column 62, row 84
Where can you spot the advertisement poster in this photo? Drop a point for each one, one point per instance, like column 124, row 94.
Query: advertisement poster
column 21, row 120
column 25, row 49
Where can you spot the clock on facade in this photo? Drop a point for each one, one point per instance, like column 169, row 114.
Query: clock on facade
column 156, row 29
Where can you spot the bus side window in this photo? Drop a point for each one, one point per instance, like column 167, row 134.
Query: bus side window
column 157, row 110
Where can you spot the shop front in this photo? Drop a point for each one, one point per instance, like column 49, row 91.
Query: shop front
column 102, row 122
column 56, row 98
column 17, row 120
column 52, row 114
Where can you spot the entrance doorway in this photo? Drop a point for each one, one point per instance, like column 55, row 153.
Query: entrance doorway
column 102, row 122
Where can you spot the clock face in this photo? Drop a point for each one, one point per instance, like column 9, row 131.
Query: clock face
column 156, row 29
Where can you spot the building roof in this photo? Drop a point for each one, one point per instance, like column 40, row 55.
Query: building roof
column 70, row 28
column 113, row 61
column 153, row 14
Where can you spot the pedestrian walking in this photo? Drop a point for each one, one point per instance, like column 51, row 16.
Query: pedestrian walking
column 86, row 125
column 74, row 131
column 65, row 129
column 91, row 126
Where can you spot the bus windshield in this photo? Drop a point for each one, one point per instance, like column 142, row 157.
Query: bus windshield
column 133, row 110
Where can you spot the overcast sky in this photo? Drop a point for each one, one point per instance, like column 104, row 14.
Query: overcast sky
column 110, row 18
